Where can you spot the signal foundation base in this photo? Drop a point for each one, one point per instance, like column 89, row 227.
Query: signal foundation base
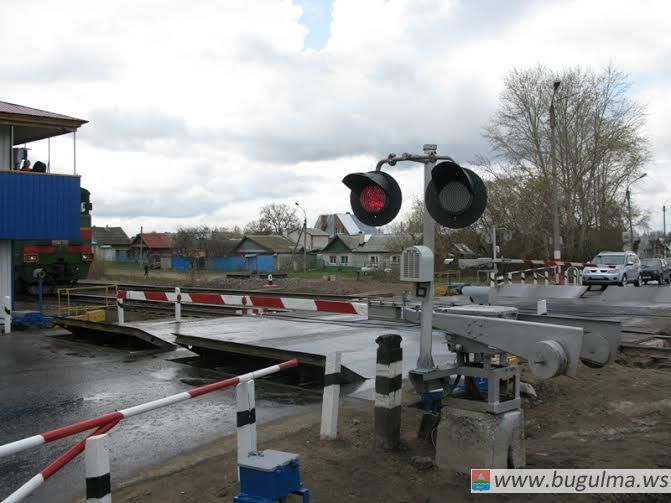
column 469, row 439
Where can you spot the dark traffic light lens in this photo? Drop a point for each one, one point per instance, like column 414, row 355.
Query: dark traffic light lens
column 455, row 197
column 373, row 199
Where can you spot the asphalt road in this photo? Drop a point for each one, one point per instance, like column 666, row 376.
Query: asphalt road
column 47, row 382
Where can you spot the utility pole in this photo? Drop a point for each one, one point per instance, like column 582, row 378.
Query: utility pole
column 140, row 245
column 555, row 198
column 664, row 225
column 628, row 194
column 494, row 243
column 305, row 237
column 631, row 229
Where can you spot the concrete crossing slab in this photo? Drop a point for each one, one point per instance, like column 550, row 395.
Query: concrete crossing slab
column 310, row 338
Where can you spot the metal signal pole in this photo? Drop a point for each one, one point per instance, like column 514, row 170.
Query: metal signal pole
column 425, row 360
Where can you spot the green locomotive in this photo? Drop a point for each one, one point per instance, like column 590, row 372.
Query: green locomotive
column 58, row 263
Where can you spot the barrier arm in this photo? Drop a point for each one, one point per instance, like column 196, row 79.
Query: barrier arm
column 55, row 465
column 107, row 421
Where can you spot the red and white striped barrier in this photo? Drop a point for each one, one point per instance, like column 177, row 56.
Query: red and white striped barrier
column 249, row 301
column 107, row 421
column 546, row 263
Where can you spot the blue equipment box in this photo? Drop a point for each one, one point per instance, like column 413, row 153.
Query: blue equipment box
column 267, row 476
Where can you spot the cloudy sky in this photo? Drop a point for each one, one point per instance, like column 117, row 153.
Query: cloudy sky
column 201, row 112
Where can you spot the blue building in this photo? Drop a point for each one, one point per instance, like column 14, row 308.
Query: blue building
column 34, row 204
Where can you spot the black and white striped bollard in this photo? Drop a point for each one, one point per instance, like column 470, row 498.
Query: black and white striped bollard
column 98, row 478
column 7, row 314
column 120, row 313
column 246, row 418
column 331, row 400
column 178, row 304
column 388, row 392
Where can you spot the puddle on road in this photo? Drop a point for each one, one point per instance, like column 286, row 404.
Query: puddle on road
column 287, row 387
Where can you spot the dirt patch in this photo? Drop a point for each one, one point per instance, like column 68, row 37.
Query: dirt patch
column 646, row 359
column 619, row 417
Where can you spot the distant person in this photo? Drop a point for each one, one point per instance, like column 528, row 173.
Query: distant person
column 146, row 270
column 39, row 167
column 25, row 166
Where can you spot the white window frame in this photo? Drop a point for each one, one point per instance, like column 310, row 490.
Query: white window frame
column 333, row 259
column 344, row 260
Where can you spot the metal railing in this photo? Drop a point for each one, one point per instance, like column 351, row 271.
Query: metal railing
column 66, row 308
column 538, row 275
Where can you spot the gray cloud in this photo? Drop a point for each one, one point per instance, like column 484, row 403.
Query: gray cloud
column 209, row 190
column 163, row 206
column 69, row 64
column 119, row 129
column 393, row 121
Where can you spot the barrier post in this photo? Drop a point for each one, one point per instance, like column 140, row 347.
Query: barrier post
column 331, row 400
column 510, row 278
column 178, row 304
column 522, row 278
column 535, row 278
column 547, row 277
column 98, row 477
column 388, row 392
column 7, row 314
column 246, row 418
column 119, row 311
column 491, row 279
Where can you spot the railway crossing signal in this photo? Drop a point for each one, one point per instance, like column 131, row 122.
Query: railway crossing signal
column 455, row 197
column 375, row 197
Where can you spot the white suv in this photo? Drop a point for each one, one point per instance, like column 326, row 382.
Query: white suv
column 613, row 268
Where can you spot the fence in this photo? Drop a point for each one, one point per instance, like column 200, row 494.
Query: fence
column 106, row 422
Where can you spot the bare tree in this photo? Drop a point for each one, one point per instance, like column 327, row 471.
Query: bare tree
column 601, row 148
column 258, row 227
column 408, row 232
column 184, row 241
column 279, row 217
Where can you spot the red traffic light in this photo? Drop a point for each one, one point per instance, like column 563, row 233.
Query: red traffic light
column 456, row 197
column 375, row 197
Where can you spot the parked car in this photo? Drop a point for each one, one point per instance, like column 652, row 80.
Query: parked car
column 613, row 268
column 655, row 269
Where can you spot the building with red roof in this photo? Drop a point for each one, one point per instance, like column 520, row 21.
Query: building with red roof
column 151, row 247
